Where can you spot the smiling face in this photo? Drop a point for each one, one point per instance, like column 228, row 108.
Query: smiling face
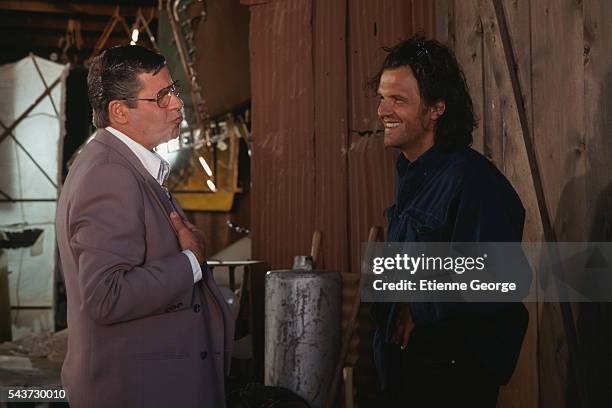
column 147, row 123
column 408, row 122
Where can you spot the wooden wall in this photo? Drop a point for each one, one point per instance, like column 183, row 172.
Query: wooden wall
column 545, row 121
column 316, row 163
column 563, row 63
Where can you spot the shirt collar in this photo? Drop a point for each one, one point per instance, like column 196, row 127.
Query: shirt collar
column 426, row 163
column 152, row 162
column 412, row 174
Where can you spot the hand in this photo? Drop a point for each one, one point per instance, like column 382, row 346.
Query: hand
column 189, row 236
column 403, row 327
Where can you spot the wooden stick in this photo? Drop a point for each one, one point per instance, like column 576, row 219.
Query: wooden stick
column 348, row 387
column 315, row 249
column 346, row 342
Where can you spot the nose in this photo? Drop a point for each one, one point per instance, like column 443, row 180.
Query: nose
column 175, row 102
column 383, row 108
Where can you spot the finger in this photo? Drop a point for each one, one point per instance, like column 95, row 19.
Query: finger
column 177, row 222
column 406, row 335
column 191, row 226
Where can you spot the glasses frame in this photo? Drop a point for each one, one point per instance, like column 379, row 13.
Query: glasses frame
column 173, row 88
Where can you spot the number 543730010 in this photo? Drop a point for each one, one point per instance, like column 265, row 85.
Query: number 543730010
column 35, row 394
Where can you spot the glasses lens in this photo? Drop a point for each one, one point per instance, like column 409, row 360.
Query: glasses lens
column 164, row 96
column 163, row 100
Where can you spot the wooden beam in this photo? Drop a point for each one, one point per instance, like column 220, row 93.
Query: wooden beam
column 35, row 40
column 511, row 64
column 37, row 30
column 575, row 362
column 441, row 13
column 63, row 7
column 52, row 22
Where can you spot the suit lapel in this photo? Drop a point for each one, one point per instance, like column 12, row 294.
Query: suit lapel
column 178, row 207
column 107, row 138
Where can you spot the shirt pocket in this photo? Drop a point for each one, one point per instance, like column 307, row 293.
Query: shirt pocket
column 426, row 227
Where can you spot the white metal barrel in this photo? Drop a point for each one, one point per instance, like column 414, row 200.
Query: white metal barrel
column 303, row 330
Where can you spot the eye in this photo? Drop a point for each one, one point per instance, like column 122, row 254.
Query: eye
column 162, row 93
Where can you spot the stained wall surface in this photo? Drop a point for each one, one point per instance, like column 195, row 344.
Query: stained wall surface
column 318, row 162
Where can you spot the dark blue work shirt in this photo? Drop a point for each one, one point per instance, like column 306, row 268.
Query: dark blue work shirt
column 455, row 196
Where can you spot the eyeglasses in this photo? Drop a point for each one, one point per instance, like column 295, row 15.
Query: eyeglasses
column 423, row 56
column 163, row 96
column 422, row 49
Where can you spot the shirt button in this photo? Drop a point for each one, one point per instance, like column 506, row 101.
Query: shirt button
column 203, row 355
column 196, row 308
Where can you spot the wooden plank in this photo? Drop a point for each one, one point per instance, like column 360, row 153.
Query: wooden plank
column 452, row 35
column 522, row 391
column 598, row 95
column 558, row 111
column 331, row 132
column 442, row 12
column 468, row 49
column 51, row 22
column 501, row 137
column 283, row 129
column 558, row 114
column 41, row 39
column 504, row 144
column 595, row 332
column 492, row 123
column 34, row 6
column 509, row 57
column 515, row 164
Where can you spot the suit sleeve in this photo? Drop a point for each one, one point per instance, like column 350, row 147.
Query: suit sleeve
column 107, row 236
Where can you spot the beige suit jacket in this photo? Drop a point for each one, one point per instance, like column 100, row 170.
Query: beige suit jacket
column 141, row 333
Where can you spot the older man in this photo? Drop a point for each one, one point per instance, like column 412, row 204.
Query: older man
column 147, row 324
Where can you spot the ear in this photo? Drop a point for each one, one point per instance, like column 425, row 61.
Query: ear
column 436, row 110
column 117, row 112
